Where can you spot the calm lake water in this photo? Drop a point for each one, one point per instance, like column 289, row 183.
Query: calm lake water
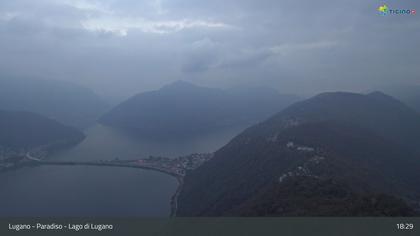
column 101, row 191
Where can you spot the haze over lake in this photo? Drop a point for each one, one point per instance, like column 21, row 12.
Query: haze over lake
column 101, row 191
column 185, row 108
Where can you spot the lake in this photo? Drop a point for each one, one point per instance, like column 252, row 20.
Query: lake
column 101, row 191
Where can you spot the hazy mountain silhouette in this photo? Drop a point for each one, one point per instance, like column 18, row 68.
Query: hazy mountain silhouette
column 408, row 94
column 65, row 102
column 335, row 154
column 26, row 130
column 184, row 109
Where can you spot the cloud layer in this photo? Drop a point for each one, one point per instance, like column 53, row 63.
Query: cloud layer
column 127, row 46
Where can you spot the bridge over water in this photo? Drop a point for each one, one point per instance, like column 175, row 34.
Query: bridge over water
column 113, row 164
column 170, row 170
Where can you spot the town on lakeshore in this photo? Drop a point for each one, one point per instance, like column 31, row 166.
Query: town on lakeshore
column 12, row 159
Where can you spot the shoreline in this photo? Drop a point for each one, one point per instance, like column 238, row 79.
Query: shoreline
column 174, row 198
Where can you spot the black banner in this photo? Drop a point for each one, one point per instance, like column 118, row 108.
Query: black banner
column 211, row 226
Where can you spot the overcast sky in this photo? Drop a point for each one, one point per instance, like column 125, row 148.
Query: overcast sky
column 127, row 46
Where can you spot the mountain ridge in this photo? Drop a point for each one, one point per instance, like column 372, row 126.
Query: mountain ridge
column 65, row 102
column 22, row 131
column 333, row 130
column 183, row 108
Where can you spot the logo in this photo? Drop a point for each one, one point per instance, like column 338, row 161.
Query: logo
column 385, row 10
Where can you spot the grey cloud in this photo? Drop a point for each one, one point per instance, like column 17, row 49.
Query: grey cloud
column 127, row 46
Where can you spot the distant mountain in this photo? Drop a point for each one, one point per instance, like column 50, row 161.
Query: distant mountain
column 26, row 130
column 409, row 94
column 183, row 109
column 336, row 154
column 375, row 111
column 65, row 102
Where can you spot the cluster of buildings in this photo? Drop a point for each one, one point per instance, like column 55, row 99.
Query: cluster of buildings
column 292, row 145
column 303, row 170
column 192, row 161
column 10, row 157
column 179, row 165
